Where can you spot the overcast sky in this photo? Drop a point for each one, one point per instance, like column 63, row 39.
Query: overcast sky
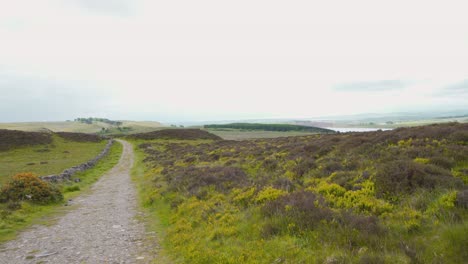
column 216, row 60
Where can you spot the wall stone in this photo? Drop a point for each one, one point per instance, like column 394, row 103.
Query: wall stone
column 68, row 173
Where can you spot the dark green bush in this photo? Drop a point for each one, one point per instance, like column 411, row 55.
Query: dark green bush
column 10, row 139
column 284, row 184
column 80, row 137
column 405, row 176
column 444, row 162
column 304, row 166
column 28, row 187
column 190, row 180
column 181, row 134
column 304, row 208
column 462, row 199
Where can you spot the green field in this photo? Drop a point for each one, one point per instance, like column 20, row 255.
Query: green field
column 379, row 197
column 269, row 127
column 238, row 134
column 47, row 159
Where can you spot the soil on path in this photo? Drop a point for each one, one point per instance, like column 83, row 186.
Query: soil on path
column 101, row 229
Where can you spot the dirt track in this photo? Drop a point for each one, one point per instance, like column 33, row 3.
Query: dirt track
column 101, row 229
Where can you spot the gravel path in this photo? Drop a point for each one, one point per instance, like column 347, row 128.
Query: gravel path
column 101, row 229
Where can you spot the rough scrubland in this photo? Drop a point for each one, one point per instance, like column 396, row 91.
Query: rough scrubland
column 177, row 134
column 395, row 196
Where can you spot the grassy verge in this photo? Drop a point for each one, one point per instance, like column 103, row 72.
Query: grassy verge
column 13, row 222
column 47, row 159
column 157, row 210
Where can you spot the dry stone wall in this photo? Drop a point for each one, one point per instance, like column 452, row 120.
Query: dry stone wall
column 68, row 173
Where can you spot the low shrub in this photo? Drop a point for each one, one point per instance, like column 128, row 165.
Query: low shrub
column 80, row 137
column 461, row 136
column 270, row 164
column 180, row 134
column 28, row 187
column 269, row 194
column 366, row 224
column 330, row 166
column 404, row 176
column 190, row 180
column 10, row 139
column 304, row 166
column 304, row 209
column 343, row 178
column 284, row 184
column 444, row 162
column 462, row 199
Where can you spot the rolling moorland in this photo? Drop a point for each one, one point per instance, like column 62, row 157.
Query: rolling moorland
column 395, row 196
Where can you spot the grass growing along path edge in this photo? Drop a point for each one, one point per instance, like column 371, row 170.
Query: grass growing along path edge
column 156, row 210
column 29, row 214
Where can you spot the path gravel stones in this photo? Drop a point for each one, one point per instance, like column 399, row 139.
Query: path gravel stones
column 103, row 228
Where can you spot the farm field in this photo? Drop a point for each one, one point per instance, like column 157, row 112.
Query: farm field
column 378, row 197
column 269, row 127
column 238, row 134
column 241, row 131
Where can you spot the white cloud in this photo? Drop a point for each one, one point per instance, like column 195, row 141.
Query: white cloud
column 215, row 59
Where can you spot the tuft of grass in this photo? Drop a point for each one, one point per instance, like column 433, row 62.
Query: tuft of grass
column 158, row 211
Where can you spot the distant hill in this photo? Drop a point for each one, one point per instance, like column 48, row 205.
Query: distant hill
column 10, row 139
column 270, row 127
column 178, row 134
column 82, row 127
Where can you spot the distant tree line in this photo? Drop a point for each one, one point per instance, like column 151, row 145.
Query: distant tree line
column 90, row 120
column 271, row 127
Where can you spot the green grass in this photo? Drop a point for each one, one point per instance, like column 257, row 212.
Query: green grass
column 56, row 157
column 31, row 214
column 237, row 134
column 157, row 211
column 314, row 199
column 88, row 177
column 270, row 127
